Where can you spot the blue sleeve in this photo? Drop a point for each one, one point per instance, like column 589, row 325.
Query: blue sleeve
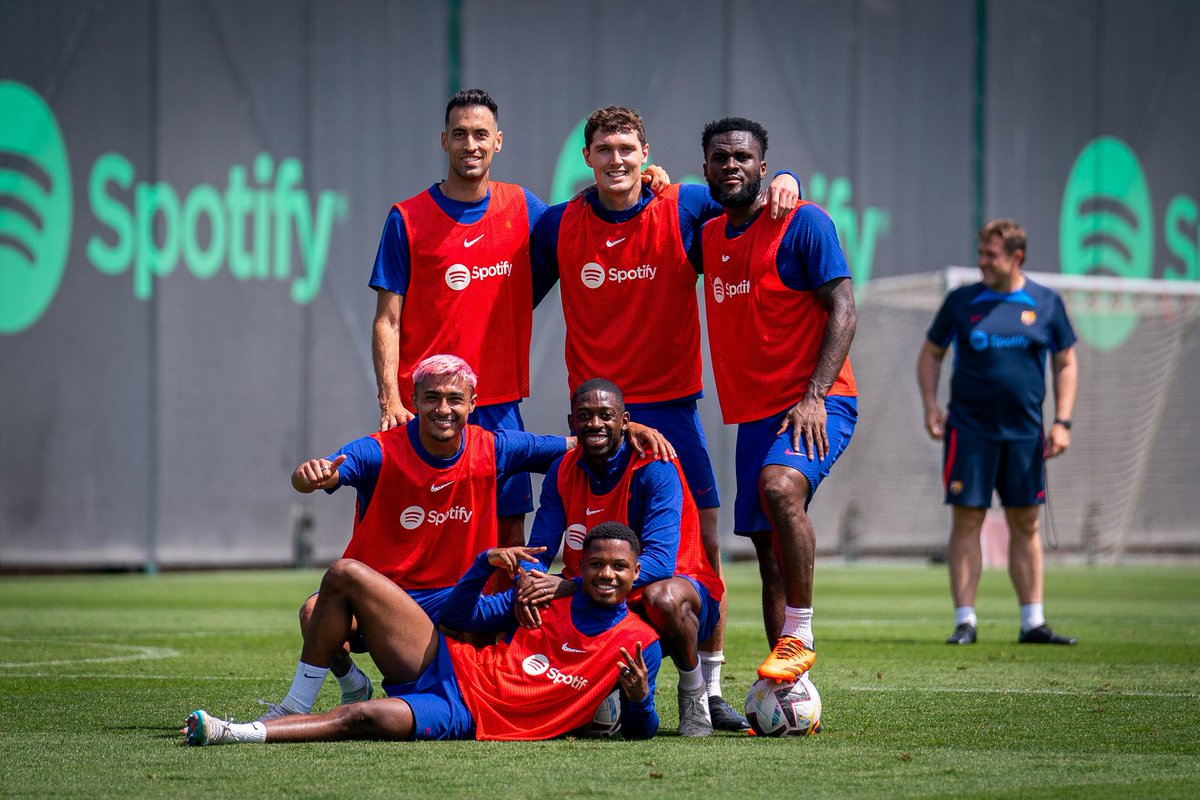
column 941, row 330
column 640, row 720
column 391, row 270
column 1063, row 335
column 661, row 503
column 543, row 252
column 696, row 206
column 551, row 518
column 810, row 254
column 466, row 609
column 364, row 459
column 519, row 451
column 535, row 207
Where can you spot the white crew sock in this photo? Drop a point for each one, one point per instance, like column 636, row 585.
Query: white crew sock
column 797, row 622
column 1032, row 615
column 353, row 681
column 965, row 614
column 691, row 681
column 248, row 732
column 710, row 665
column 305, row 686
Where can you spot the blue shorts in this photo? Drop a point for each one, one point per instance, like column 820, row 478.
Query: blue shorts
column 514, row 494
column 709, row 614
column 975, row 465
column 680, row 423
column 439, row 712
column 758, row 446
column 430, row 601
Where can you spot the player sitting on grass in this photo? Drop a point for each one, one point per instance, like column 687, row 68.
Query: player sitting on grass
column 537, row 684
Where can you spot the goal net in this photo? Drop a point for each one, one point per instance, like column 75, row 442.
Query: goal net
column 1128, row 485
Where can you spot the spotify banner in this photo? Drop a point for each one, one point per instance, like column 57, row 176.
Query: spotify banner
column 192, row 193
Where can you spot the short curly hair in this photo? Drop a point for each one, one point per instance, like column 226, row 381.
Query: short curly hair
column 613, row 119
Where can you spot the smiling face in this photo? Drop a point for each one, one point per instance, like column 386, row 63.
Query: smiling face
column 471, row 139
column 599, row 420
column 616, row 160
column 734, row 168
column 442, row 405
column 1001, row 270
column 609, row 568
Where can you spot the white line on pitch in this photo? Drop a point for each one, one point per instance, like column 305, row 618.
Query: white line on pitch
column 969, row 690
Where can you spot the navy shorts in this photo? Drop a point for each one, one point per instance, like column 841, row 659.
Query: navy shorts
column 439, row 712
column 680, row 423
column 514, row 494
column 977, row 465
column 759, row 446
column 709, row 614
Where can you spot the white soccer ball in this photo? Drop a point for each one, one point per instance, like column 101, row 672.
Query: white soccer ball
column 784, row 709
column 607, row 720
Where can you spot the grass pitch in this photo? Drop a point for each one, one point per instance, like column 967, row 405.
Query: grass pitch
column 97, row 673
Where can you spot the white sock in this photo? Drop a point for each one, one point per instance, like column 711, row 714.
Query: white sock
column 1032, row 616
column 797, row 622
column 305, row 686
column 691, row 681
column 353, row 681
column 248, row 732
column 710, row 665
column 965, row 614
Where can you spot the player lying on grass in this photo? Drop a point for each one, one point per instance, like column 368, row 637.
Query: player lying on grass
column 537, row 684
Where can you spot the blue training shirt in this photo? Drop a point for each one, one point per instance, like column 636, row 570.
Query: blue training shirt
column 466, row 609
column 516, row 451
column 393, row 270
column 654, row 513
column 1000, row 346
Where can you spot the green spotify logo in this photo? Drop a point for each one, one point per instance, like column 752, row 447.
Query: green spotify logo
column 263, row 226
column 35, row 206
column 1106, row 228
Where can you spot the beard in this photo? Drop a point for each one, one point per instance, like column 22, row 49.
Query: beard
column 739, row 199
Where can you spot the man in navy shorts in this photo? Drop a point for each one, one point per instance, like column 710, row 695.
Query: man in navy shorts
column 1002, row 330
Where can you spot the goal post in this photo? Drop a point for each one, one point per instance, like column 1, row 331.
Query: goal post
column 1126, row 488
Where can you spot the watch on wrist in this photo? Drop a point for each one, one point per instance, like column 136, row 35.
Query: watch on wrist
column 1066, row 423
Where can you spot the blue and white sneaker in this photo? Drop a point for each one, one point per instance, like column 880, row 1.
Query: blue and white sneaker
column 202, row 728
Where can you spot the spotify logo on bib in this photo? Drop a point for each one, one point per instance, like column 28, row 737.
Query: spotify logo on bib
column 35, row 207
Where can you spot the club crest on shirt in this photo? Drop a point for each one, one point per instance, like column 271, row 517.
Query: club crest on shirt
column 1028, row 317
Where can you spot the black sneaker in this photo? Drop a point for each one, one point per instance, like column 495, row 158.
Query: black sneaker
column 964, row 633
column 1042, row 634
column 724, row 718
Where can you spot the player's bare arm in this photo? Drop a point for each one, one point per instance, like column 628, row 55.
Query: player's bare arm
column 807, row 417
column 783, row 195
column 929, row 370
column 633, row 676
column 317, row 473
column 1066, row 377
column 385, row 350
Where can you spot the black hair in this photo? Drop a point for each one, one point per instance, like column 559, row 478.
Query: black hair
column 732, row 124
column 464, row 98
column 598, row 385
column 616, row 531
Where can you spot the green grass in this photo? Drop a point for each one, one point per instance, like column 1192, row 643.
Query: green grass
column 98, row 672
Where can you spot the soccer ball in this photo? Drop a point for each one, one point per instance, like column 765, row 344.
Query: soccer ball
column 784, row 709
column 607, row 720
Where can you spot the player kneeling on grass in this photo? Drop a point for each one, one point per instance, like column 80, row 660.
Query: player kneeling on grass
column 537, row 684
